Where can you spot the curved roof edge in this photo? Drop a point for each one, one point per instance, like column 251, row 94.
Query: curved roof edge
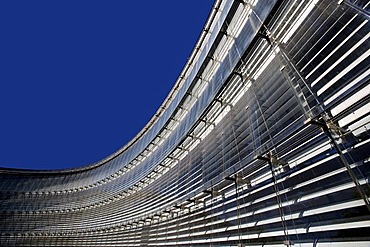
column 154, row 118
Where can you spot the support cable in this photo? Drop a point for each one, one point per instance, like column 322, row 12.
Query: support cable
column 327, row 128
column 363, row 11
column 274, row 44
column 271, row 162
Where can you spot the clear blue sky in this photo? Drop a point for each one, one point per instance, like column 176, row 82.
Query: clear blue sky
column 79, row 79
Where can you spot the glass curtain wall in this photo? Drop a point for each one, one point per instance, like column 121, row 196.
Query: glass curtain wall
column 265, row 143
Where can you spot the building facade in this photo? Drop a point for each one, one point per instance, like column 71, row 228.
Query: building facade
column 262, row 141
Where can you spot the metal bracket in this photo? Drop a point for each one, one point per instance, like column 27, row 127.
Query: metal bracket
column 328, row 128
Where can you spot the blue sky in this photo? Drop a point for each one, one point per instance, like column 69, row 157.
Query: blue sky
column 79, row 79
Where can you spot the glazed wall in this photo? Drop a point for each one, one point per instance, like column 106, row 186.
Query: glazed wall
column 274, row 151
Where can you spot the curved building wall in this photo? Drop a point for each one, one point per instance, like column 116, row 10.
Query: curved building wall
column 262, row 141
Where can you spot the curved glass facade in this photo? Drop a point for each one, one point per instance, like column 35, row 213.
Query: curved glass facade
column 262, row 141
